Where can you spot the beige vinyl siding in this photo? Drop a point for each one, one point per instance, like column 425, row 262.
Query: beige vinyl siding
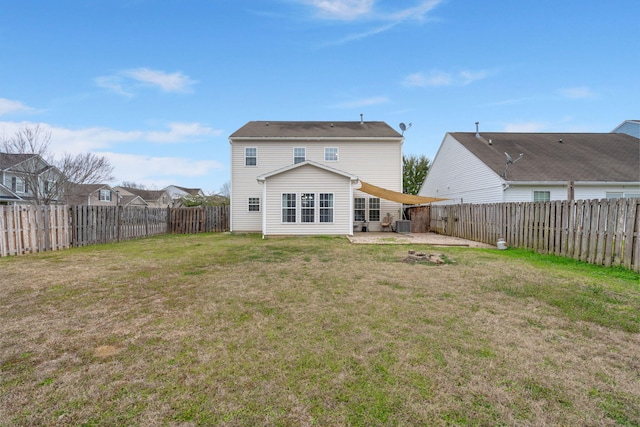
column 460, row 176
column 308, row 179
column 378, row 162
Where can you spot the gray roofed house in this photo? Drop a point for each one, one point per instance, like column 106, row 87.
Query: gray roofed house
column 26, row 179
column 153, row 198
column 284, row 130
column 304, row 178
column 473, row 168
column 91, row 195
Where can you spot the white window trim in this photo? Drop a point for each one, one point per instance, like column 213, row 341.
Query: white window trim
column 101, row 192
column 533, row 196
column 332, row 208
column 304, row 157
column 246, row 157
column 337, row 154
column 249, row 204
column 296, row 208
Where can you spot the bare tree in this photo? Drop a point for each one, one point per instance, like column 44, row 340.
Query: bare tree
column 45, row 179
column 225, row 190
column 131, row 184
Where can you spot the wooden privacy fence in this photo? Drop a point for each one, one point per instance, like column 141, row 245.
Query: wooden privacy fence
column 31, row 229
column 603, row 232
column 206, row 219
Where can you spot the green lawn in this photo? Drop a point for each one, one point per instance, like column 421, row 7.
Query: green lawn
column 219, row 329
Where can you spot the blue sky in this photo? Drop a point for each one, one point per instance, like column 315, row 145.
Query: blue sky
column 157, row 86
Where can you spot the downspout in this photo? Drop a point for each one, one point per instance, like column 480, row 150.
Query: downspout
column 264, row 208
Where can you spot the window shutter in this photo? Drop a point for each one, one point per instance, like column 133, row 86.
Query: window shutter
column 14, row 183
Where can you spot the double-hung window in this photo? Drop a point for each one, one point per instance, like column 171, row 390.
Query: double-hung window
column 326, row 207
column 289, row 207
column 307, row 207
column 374, row 209
column 359, row 208
column 105, row 195
column 250, row 156
column 541, row 196
column 331, row 154
column 299, row 154
column 18, row 185
column 254, row 204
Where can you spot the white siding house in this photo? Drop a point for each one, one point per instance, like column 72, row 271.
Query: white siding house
column 302, row 178
column 474, row 168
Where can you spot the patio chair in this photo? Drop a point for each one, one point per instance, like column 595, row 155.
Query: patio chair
column 386, row 222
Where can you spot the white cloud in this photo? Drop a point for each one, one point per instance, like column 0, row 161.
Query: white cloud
column 581, row 92
column 443, row 78
column 342, row 9
column 168, row 82
column 155, row 170
column 359, row 10
column 124, row 82
column 7, row 106
column 366, row 102
column 100, row 138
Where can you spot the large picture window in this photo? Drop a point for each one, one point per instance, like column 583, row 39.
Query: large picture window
column 326, row 207
column 308, row 207
column 289, row 207
column 250, row 156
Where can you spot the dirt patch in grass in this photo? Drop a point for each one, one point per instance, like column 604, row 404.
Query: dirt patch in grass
column 236, row 330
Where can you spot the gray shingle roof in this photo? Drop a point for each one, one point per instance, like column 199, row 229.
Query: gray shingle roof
column 264, row 129
column 608, row 157
column 8, row 160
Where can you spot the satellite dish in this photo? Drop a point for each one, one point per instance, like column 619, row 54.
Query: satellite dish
column 509, row 158
column 510, row 161
column 404, row 127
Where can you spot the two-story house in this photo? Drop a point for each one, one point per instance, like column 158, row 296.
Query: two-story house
column 28, row 179
column 303, row 178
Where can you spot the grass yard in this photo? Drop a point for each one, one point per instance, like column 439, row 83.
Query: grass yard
column 219, row 329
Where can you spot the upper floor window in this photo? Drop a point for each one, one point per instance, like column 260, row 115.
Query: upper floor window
column 541, row 196
column 18, row 185
column 299, row 154
column 331, row 154
column 105, row 195
column 250, row 156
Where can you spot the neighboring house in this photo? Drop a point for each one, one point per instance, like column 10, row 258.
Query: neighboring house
column 153, row 198
column 177, row 193
column 302, row 178
column 630, row 127
column 27, row 179
column 91, row 194
column 473, row 168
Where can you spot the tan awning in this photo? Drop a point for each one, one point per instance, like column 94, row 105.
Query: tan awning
column 394, row 196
